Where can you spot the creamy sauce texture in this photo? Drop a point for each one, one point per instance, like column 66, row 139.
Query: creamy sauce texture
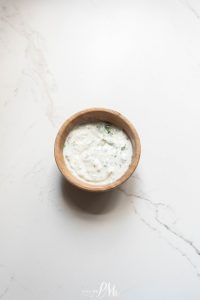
column 97, row 153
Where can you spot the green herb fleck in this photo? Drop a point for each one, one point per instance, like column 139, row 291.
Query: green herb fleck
column 108, row 128
column 98, row 126
column 123, row 148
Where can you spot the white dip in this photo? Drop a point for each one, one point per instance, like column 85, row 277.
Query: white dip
column 97, row 153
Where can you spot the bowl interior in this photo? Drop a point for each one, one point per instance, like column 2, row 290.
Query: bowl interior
column 92, row 115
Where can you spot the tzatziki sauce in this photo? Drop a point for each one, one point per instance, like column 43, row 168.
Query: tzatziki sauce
column 98, row 152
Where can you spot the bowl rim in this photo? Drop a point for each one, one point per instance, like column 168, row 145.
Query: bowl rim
column 66, row 172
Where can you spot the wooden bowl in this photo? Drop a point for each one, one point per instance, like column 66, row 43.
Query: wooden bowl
column 90, row 115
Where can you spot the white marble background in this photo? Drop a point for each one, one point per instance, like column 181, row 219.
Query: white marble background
column 141, row 58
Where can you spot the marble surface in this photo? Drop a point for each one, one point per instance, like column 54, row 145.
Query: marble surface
column 141, row 58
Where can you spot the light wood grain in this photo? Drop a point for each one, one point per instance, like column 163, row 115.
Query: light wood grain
column 90, row 115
